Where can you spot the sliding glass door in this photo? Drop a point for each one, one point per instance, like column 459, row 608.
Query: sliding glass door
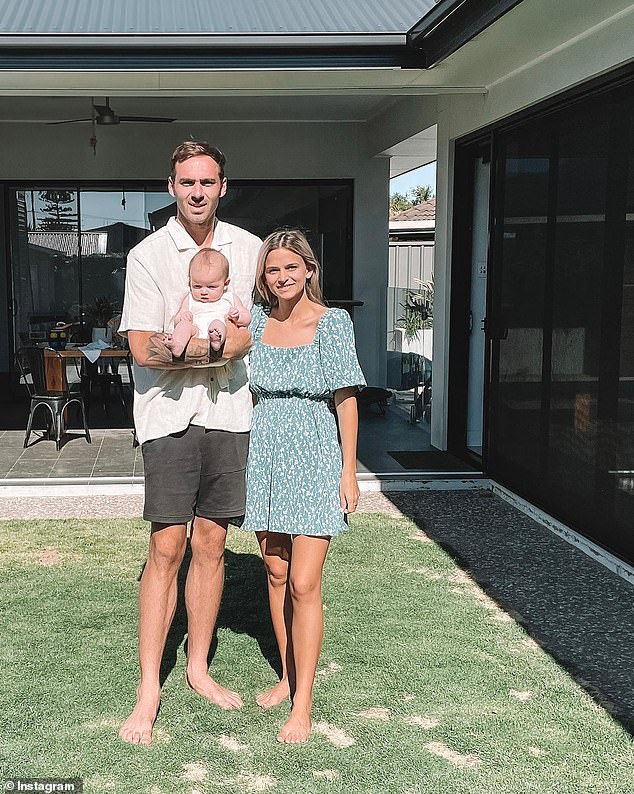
column 561, row 412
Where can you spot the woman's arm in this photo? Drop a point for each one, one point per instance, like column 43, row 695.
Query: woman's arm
column 346, row 405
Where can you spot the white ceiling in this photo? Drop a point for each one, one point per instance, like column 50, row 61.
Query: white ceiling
column 199, row 109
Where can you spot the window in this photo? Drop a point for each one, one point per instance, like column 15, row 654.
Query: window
column 69, row 243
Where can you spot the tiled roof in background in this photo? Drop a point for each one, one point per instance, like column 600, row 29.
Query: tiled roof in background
column 67, row 242
column 419, row 212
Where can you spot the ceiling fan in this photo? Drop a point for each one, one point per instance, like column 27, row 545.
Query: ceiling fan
column 105, row 115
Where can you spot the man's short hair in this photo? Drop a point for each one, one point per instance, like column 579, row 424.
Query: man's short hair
column 189, row 149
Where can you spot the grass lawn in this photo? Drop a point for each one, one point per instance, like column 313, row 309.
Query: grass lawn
column 424, row 685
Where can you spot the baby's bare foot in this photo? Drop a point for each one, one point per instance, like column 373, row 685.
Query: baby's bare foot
column 173, row 345
column 137, row 729
column 215, row 339
column 274, row 696
column 205, row 686
column 296, row 729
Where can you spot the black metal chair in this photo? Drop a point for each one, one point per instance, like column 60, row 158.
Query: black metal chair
column 30, row 361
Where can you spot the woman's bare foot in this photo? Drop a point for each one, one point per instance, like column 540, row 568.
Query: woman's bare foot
column 274, row 696
column 206, row 687
column 296, row 729
column 137, row 729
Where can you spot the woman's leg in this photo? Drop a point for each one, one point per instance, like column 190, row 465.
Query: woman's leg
column 307, row 561
column 276, row 552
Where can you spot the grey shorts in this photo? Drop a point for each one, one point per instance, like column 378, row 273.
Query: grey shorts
column 195, row 472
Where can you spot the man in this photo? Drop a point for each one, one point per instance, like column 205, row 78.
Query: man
column 194, row 436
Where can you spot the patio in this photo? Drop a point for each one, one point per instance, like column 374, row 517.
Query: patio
column 111, row 453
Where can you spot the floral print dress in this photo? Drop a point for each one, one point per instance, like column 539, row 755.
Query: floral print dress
column 294, row 465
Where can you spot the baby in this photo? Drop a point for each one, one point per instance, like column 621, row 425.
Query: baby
column 207, row 305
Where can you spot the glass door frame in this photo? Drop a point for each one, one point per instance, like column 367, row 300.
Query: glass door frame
column 467, row 151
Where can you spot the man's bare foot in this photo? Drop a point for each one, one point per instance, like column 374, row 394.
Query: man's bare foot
column 137, row 729
column 206, row 687
column 296, row 729
column 274, row 696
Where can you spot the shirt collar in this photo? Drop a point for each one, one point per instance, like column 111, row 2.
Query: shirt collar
column 184, row 242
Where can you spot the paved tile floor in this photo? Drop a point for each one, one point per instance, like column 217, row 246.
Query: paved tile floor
column 111, row 454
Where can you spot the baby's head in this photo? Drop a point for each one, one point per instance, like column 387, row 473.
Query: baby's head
column 208, row 275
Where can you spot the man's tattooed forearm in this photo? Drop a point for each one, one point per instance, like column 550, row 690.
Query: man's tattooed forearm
column 158, row 352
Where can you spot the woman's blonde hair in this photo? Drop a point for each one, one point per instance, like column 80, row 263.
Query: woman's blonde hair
column 291, row 240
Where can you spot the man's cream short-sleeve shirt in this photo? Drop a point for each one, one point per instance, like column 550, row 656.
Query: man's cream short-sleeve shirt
column 167, row 401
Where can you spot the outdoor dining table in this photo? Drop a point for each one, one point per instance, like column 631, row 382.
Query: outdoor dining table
column 55, row 369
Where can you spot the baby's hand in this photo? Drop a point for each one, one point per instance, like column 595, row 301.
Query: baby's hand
column 233, row 315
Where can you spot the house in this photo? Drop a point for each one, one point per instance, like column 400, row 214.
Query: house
column 527, row 105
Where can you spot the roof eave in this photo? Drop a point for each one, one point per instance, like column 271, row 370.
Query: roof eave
column 177, row 40
column 452, row 24
column 208, row 52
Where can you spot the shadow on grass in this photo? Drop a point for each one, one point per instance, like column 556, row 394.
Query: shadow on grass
column 244, row 610
column 574, row 608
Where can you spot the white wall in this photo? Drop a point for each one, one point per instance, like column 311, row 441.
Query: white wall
column 254, row 151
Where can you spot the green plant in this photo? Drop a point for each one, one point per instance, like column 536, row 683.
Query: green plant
column 404, row 201
column 398, row 203
column 421, row 193
column 419, row 310
column 101, row 311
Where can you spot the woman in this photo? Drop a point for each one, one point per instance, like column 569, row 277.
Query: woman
column 297, row 488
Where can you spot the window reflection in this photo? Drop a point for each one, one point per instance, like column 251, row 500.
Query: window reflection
column 69, row 245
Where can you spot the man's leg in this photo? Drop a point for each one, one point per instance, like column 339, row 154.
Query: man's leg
column 221, row 496
column 157, row 604
column 203, row 591
column 172, row 475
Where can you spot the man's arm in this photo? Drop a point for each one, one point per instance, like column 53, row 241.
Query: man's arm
column 149, row 350
column 240, row 315
column 238, row 342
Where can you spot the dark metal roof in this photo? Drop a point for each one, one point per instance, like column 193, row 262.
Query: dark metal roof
column 209, row 17
column 238, row 34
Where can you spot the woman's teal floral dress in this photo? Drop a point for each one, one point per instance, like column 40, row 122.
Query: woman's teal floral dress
column 294, row 466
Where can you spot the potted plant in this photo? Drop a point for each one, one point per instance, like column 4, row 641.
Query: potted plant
column 419, row 308
column 100, row 313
